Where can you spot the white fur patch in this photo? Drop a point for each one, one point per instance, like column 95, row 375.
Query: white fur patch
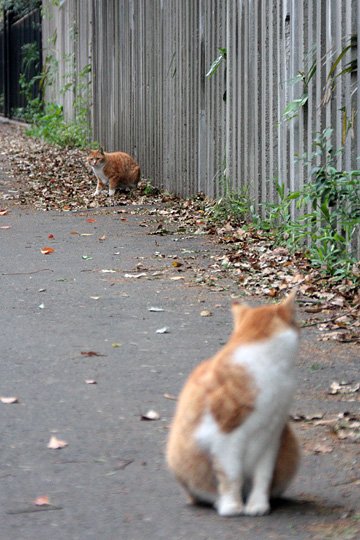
column 99, row 173
column 271, row 363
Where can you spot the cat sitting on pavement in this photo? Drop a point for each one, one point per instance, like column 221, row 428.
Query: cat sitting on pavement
column 230, row 443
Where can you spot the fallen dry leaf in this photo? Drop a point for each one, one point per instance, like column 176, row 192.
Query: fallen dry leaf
column 342, row 337
column 322, row 448
column 156, row 309
column 51, row 236
column 343, row 388
column 90, row 381
column 163, row 330
column 307, row 417
column 170, row 396
column 347, row 426
column 91, row 220
column 55, row 443
column 121, row 464
column 103, row 237
column 91, row 353
column 136, row 276
column 9, row 400
column 205, row 313
column 176, row 264
column 42, row 501
column 270, row 292
column 47, row 250
column 5, row 227
column 3, row 211
column 150, row 415
column 351, row 435
column 338, row 301
column 116, row 345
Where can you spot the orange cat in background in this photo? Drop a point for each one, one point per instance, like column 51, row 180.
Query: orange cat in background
column 115, row 169
column 230, row 439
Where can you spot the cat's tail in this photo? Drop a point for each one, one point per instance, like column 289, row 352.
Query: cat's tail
column 287, row 462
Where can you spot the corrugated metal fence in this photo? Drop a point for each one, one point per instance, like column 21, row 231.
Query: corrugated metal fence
column 152, row 99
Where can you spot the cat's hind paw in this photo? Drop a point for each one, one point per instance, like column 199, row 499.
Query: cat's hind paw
column 229, row 507
column 257, row 509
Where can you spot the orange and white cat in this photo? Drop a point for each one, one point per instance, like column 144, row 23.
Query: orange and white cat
column 115, row 169
column 230, row 443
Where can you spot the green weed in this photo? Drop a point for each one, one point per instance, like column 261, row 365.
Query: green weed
column 328, row 210
column 149, row 189
column 50, row 125
column 47, row 120
column 233, row 206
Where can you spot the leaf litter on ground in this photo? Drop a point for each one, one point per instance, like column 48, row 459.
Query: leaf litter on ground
column 53, row 178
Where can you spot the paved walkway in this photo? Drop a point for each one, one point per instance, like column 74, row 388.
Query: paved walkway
column 110, row 482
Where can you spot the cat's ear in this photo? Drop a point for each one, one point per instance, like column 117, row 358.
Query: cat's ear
column 289, row 301
column 101, row 150
column 238, row 311
column 287, row 308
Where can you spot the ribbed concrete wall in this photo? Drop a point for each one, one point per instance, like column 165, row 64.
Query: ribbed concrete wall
column 152, row 99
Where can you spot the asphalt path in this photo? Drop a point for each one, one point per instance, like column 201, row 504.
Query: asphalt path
column 94, row 294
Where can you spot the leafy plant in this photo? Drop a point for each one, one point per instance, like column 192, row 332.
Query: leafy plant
column 29, row 85
column 48, row 122
column 293, row 107
column 329, row 213
column 51, row 126
column 232, row 206
column 149, row 189
column 334, row 74
column 328, row 207
column 19, row 7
